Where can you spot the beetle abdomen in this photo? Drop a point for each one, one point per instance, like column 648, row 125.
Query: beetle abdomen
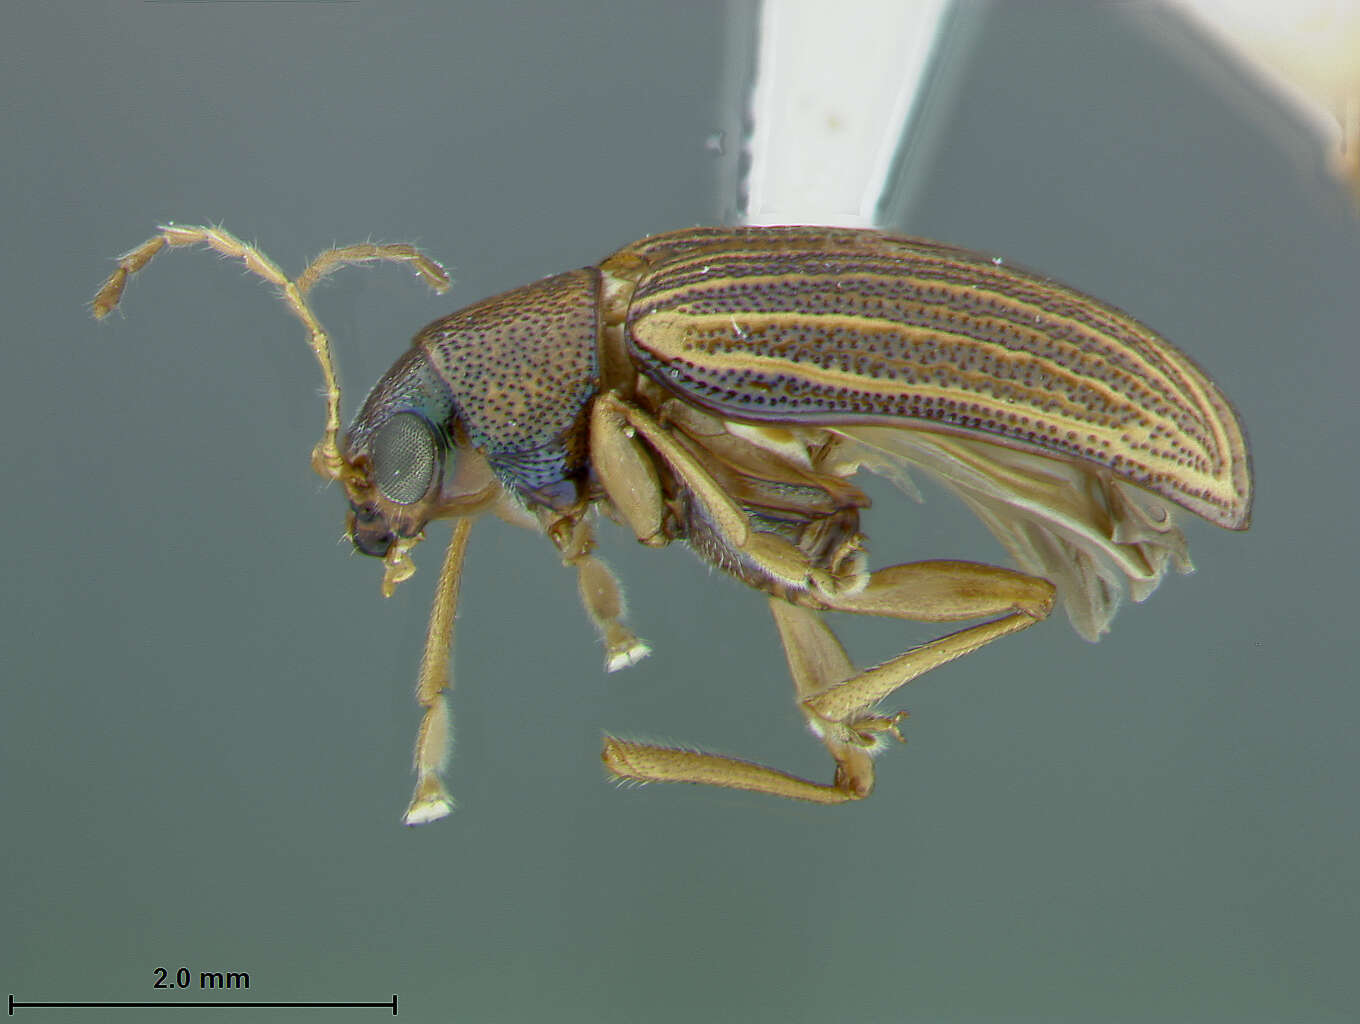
column 810, row 325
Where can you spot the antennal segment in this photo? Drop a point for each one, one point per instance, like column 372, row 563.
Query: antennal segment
column 326, row 457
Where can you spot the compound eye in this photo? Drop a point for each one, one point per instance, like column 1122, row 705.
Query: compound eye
column 403, row 453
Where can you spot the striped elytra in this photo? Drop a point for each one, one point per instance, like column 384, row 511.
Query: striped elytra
column 824, row 326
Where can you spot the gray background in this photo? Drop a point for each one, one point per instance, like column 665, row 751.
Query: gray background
column 206, row 716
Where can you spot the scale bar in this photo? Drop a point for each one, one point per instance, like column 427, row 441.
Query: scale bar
column 16, row 1004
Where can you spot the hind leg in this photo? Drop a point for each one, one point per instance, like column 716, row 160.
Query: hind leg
column 839, row 702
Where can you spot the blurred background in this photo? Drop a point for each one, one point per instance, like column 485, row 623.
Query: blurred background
column 206, row 721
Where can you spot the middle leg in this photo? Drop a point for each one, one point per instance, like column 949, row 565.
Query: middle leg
column 837, row 702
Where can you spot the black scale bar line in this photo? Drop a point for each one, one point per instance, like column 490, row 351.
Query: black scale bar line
column 17, row 1004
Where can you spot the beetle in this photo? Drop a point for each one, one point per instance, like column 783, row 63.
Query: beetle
column 720, row 387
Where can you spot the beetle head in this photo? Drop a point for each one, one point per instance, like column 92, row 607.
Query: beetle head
column 407, row 460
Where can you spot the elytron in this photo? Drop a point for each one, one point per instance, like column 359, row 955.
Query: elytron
column 721, row 387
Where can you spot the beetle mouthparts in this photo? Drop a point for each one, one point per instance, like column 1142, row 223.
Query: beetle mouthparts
column 368, row 529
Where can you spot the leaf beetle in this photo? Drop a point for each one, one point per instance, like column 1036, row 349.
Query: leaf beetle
column 720, row 387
